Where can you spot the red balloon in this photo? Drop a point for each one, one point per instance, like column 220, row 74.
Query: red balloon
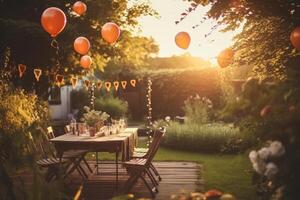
column 79, row 7
column 295, row 38
column 225, row 58
column 82, row 45
column 110, row 32
column 86, row 62
column 183, row 40
column 53, row 21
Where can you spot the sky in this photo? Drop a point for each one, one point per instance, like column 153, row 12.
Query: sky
column 164, row 29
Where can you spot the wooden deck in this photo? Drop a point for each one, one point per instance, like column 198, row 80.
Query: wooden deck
column 176, row 177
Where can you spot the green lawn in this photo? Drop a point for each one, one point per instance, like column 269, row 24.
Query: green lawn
column 229, row 173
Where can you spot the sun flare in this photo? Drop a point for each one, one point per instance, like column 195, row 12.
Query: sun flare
column 164, row 30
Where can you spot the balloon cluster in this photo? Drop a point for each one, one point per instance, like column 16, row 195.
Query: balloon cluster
column 54, row 20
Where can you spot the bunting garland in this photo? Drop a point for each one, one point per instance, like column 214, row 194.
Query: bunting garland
column 107, row 86
column 133, row 82
column 116, row 85
column 37, row 74
column 59, row 80
column 99, row 85
column 124, row 83
column 87, row 84
column 74, row 81
column 22, row 69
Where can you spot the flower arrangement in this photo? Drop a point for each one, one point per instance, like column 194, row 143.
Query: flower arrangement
column 267, row 163
column 262, row 159
column 94, row 117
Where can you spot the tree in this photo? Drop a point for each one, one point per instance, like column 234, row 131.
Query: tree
column 29, row 44
column 264, row 40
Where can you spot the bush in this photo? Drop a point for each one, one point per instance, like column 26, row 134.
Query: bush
column 195, row 137
column 115, row 107
column 79, row 99
column 197, row 109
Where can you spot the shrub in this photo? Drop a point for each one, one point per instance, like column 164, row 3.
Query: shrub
column 115, row 107
column 195, row 137
column 79, row 99
column 197, row 109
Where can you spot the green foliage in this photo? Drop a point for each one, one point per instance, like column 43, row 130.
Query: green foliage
column 30, row 44
column 79, row 99
column 264, row 40
column 197, row 109
column 115, row 107
column 267, row 111
column 93, row 117
column 195, row 137
column 22, row 115
column 185, row 82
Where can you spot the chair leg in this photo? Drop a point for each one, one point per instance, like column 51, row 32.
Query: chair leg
column 87, row 164
column 131, row 181
column 148, row 186
column 154, row 182
column 82, row 172
column 72, row 166
column 155, row 171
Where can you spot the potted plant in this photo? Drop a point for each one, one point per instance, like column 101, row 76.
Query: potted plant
column 94, row 119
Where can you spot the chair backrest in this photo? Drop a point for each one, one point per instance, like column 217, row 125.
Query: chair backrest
column 40, row 147
column 157, row 136
column 50, row 133
column 148, row 152
column 67, row 129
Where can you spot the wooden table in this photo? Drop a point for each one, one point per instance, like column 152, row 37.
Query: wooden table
column 123, row 142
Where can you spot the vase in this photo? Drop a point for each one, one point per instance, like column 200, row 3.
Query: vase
column 92, row 131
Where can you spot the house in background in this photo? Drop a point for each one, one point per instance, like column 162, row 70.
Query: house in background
column 60, row 102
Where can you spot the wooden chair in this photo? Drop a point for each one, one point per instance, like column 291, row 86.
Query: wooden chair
column 47, row 159
column 144, row 153
column 137, row 168
column 76, row 156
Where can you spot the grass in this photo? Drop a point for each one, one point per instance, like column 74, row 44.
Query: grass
column 199, row 137
column 229, row 173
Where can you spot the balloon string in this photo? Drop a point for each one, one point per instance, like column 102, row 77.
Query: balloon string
column 54, row 44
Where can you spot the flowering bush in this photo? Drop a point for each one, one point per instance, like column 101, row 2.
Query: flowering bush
column 93, row 117
column 263, row 159
column 269, row 111
column 197, row 108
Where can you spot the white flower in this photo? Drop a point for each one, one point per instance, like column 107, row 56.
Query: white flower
column 271, row 170
column 253, row 156
column 264, row 153
column 168, row 118
column 276, row 149
column 259, row 167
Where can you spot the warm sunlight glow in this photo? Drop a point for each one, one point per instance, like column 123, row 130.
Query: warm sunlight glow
column 163, row 30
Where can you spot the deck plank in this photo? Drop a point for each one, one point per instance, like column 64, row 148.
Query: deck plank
column 176, row 177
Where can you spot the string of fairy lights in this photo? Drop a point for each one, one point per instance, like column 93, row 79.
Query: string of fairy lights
column 149, row 110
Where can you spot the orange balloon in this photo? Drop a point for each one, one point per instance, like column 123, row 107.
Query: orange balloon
column 79, row 7
column 53, row 21
column 110, row 32
column 225, row 58
column 183, row 40
column 86, row 62
column 295, row 38
column 82, row 45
